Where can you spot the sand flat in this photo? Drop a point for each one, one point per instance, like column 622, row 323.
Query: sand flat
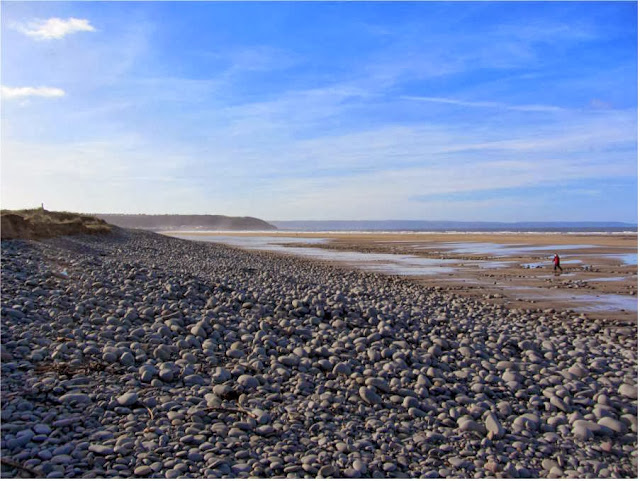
column 599, row 277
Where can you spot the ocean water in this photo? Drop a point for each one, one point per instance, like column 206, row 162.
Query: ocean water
column 452, row 226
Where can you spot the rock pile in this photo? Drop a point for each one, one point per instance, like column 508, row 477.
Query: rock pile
column 140, row 355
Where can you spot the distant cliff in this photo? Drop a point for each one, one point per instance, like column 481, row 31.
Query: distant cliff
column 188, row 222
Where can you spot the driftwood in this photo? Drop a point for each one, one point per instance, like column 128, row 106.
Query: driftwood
column 237, row 410
column 150, row 412
column 15, row 464
column 68, row 370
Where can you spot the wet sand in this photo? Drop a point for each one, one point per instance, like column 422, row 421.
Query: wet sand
column 599, row 277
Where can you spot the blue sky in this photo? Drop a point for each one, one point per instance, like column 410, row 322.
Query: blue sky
column 479, row 111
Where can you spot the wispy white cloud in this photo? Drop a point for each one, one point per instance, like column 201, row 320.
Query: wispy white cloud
column 25, row 92
column 492, row 105
column 54, row 28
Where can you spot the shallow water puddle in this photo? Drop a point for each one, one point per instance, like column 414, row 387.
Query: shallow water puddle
column 538, row 265
column 506, row 250
column 409, row 265
column 398, row 264
column 606, row 279
column 582, row 302
column 606, row 302
column 629, row 259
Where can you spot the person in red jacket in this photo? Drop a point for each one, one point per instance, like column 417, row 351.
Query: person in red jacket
column 556, row 263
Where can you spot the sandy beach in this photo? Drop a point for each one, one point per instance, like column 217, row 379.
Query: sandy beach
column 514, row 269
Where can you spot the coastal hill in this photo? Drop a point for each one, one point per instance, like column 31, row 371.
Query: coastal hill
column 41, row 224
column 191, row 222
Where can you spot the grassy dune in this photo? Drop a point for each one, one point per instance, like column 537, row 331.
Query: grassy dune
column 41, row 223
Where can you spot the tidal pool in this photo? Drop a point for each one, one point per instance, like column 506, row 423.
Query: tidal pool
column 409, row 265
column 398, row 264
column 506, row 250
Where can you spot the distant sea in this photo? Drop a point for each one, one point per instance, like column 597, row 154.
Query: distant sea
column 448, row 226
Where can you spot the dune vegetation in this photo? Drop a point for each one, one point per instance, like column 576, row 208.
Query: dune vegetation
column 40, row 223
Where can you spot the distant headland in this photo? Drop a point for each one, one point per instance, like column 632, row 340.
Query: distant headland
column 191, row 222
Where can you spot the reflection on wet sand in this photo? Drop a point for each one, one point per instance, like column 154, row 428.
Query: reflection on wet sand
column 514, row 273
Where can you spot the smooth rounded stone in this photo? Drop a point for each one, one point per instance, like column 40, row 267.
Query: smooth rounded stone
column 342, row 369
column 504, row 408
column 222, row 390
column 110, row 357
column 248, row 381
column 194, row 380
column 389, row 467
column 379, row 383
column 162, row 353
column 42, row 429
column 369, row 395
column 261, row 417
column 265, row 430
column 212, row 400
column 467, row 425
column 64, row 449
column 198, row 331
column 350, row 473
column 101, row 449
column 147, row 372
column 578, row 371
column 528, row 421
column 166, row 375
column 74, row 398
column 504, row 365
column 359, row 466
column 559, row 404
column 61, row 459
column 628, row 391
column 290, row 361
column 459, row 463
column 631, row 421
column 325, row 364
column 512, row 376
column 410, row 402
column 616, row 426
column 128, row 399
column 143, row 471
column 582, row 432
column 549, row 464
column 127, row 359
column 220, row 375
column 493, row 426
column 235, row 353
column 327, row 471
column 241, row 468
column 195, row 457
column 19, row 441
column 417, row 413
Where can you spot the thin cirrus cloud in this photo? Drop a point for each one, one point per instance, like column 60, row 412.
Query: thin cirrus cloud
column 26, row 92
column 55, row 28
column 496, row 105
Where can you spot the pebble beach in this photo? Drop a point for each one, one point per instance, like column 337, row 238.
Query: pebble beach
column 133, row 354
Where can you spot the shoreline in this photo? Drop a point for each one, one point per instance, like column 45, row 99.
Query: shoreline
column 593, row 281
column 137, row 354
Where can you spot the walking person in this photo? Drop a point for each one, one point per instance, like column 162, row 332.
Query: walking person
column 556, row 263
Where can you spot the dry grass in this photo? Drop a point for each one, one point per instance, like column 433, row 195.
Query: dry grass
column 41, row 223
